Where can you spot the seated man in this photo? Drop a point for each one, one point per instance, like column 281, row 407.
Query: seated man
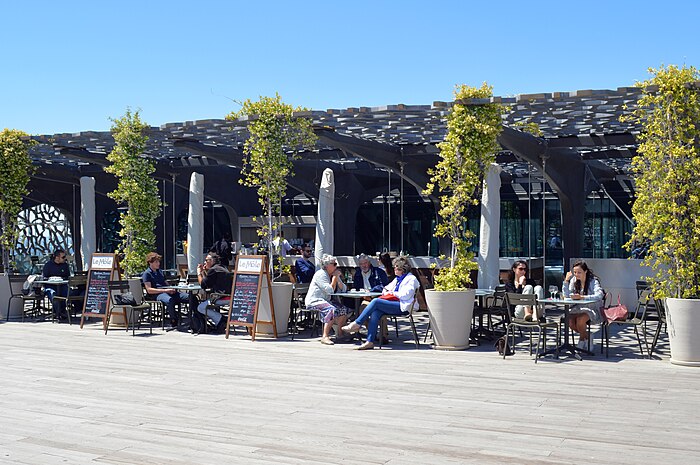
column 57, row 266
column 214, row 278
column 154, row 282
column 368, row 276
column 304, row 268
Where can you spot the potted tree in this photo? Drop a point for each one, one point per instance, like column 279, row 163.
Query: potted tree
column 275, row 137
column 667, row 208
column 15, row 171
column 137, row 190
column 465, row 156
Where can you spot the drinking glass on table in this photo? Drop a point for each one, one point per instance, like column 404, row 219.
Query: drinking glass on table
column 553, row 292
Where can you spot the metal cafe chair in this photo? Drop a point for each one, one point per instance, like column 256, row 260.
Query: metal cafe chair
column 514, row 299
column 636, row 319
column 137, row 311
column 74, row 284
column 34, row 296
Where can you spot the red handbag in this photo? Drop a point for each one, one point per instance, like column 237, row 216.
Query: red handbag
column 618, row 312
column 389, row 297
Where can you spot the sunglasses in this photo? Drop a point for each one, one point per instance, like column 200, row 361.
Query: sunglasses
column 522, row 268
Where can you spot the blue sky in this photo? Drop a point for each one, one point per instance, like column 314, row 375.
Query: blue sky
column 69, row 66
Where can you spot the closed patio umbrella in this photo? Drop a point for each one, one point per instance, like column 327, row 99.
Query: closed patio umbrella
column 487, row 259
column 324, row 224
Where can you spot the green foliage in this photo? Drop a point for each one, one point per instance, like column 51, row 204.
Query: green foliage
column 136, row 189
column 15, row 171
column 275, row 138
column 465, row 156
column 529, row 127
column 666, row 169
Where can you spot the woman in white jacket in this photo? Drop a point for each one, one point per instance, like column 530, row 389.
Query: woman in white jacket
column 397, row 299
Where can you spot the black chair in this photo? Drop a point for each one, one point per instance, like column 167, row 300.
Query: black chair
column 157, row 307
column 34, row 296
column 661, row 310
column 299, row 291
column 75, row 284
column 395, row 318
column 138, row 311
column 494, row 305
column 513, row 299
column 635, row 319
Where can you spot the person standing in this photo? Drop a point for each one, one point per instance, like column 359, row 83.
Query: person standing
column 57, row 266
column 282, row 245
column 223, row 249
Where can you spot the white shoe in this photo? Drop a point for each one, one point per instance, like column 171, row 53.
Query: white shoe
column 352, row 328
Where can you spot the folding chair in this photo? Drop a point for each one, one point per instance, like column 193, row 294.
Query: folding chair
column 137, row 311
column 34, row 297
column 514, row 299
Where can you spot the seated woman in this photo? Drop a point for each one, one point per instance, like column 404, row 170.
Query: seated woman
column 517, row 282
column 213, row 277
column 325, row 282
column 581, row 283
column 401, row 290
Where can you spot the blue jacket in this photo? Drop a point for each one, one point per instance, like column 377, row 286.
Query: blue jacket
column 304, row 270
column 377, row 280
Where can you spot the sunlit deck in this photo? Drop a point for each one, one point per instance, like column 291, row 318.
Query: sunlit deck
column 77, row 396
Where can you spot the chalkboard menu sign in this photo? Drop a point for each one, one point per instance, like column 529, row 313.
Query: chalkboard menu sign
column 250, row 273
column 102, row 269
column 97, row 293
column 244, row 299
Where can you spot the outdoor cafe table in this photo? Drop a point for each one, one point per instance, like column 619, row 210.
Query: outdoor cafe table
column 481, row 295
column 189, row 289
column 357, row 295
column 566, row 304
column 53, row 282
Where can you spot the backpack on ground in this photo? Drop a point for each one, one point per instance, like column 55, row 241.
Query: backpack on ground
column 502, row 346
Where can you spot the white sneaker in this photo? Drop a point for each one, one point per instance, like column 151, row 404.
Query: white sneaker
column 352, row 328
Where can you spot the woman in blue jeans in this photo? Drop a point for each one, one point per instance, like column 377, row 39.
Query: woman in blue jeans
column 397, row 299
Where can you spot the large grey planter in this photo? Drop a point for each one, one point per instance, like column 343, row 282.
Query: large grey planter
column 450, row 317
column 683, row 319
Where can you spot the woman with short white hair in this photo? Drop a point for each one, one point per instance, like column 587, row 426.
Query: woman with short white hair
column 325, row 282
column 398, row 298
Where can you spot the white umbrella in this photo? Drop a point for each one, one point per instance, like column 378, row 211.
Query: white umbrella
column 88, row 240
column 195, row 222
column 490, row 229
column 324, row 224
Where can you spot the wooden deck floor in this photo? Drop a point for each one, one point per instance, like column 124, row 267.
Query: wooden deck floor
column 77, row 396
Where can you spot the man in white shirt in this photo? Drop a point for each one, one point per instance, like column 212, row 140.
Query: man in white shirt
column 282, row 245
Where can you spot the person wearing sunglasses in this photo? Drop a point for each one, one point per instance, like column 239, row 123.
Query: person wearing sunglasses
column 520, row 283
column 325, row 282
column 57, row 266
column 304, row 268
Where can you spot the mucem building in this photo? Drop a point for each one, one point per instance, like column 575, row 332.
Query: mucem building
column 563, row 194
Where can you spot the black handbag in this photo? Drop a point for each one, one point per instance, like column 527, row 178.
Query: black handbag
column 127, row 298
